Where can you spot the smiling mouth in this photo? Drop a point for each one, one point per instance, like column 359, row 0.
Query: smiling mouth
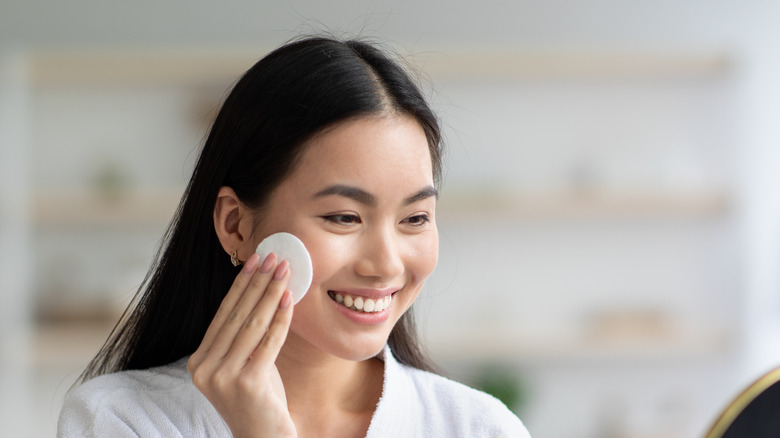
column 361, row 304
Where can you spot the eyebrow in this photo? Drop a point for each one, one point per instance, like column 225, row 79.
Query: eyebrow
column 366, row 198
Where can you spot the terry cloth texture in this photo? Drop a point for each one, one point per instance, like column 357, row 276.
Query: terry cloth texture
column 163, row 402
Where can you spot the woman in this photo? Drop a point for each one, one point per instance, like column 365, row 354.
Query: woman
column 330, row 141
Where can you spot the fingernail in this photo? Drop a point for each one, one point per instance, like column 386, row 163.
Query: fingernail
column 249, row 265
column 268, row 263
column 281, row 270
column 286, row 300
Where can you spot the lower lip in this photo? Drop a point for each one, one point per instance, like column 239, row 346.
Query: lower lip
column 363, row 317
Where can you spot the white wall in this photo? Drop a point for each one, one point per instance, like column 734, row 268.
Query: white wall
column 701, row 267
column 761, row 204
column 15, row 251
column 491, row 22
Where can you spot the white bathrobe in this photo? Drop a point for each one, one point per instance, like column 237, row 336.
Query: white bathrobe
column 163, row 402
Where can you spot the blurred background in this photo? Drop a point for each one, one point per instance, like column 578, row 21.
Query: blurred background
column 610, row 233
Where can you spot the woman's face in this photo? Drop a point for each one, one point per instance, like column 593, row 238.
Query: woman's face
column 362, row 200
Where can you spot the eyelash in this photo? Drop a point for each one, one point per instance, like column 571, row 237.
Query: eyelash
column 350, row 219
column 423, row 219
column 339, row 219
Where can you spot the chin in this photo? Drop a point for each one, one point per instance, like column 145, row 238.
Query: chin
column 348, row 346
column 358, row 349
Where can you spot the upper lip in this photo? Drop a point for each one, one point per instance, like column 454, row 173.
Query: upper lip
column 367, row 293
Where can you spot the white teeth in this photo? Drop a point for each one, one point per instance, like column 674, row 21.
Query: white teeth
column 366, row 305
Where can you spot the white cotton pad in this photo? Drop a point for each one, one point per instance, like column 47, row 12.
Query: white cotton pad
column 290, row 248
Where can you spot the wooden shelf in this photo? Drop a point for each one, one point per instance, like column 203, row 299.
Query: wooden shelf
column 567, row 63
column 145, row 66
column 155, row 207
column 199, row 65
column 482, row 345
column 70, row 209
column 576, row 204
column 67, row 345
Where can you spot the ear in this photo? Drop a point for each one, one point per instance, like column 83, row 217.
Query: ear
column 233, row 223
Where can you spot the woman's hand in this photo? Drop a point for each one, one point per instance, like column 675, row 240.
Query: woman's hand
column 234, row 364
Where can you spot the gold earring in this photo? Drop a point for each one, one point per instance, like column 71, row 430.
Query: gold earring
column 234, row 258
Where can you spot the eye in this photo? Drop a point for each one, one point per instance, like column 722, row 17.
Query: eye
column 342, row 219
column 417, row 220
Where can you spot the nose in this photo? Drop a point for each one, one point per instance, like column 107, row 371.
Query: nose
column 380, row 255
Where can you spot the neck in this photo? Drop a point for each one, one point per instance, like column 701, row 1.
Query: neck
column 321, row 387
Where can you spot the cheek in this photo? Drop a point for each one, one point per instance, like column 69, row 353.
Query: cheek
column 425, row 256
column 331, row 253
column 328, row 254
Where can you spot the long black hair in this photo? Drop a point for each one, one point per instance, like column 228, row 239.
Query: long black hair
column 287, row 97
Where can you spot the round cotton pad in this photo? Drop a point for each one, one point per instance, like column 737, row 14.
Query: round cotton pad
column 290, row 248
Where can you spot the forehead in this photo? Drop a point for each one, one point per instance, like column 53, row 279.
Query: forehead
column 368, row 151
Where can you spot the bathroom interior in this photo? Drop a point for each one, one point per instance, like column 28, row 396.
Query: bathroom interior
column 609, row 219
